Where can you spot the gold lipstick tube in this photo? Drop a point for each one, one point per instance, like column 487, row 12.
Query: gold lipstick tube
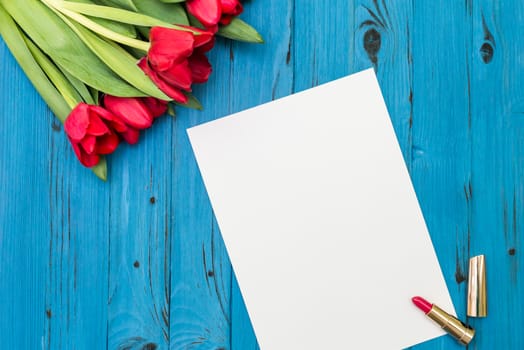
column 451, row 325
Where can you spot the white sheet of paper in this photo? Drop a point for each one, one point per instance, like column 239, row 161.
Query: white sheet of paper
column 321, row 221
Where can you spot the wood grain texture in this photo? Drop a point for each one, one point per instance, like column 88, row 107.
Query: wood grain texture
column 322, row 44
column 139, row 263
column 201, row 272
column 250, row 88
column 24, row 247
column 139, row 249
column 497, row 163
column 440, row 161
column 77, row 253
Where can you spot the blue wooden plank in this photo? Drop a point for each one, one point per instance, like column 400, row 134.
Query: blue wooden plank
column 440, row 164
column 77, row 266
column 260, row 73
column 56, row 227
column 139, row 254
column 24, row 177
column 77, row 261
column 69, row 243
column 498, row 163
column 323, row 42
column 200, row 269
column 383, row 39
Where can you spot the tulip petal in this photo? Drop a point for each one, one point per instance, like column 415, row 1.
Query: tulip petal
column 102, row 112
column 77, row 122
column 231, row 7
column 156, row 107
column 178, row 75
column 84, row 158
column 114, row 122
column 131, row 110
column 96, row 126
column 89, row 134
column 200, row 68
column 88, row 144
column 170, row 91
column 118, row 125
column 168, row 46
column 76, row 148
column 226, row 19
column 87, row 160
column 130, row 136
column 90, row 160
column 107, row 144
column 213, row 29
column 208, row 12
column 205, row 45
column 201, row 37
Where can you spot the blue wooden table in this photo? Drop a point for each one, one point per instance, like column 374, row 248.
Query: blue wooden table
column 138, row 262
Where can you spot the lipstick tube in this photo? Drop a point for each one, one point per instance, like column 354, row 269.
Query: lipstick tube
column 451, row 325
column 461, row 332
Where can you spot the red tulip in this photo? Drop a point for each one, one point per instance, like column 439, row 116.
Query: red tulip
column 204, row 39
column 89, row 133
column 212, row 12
column 230, row 9
column 176, row 60
column 172, row 91
column 169, row 46
column 157, row 107
column 130, row 135
column 208, row 12
column 131, row 114
column 200, row 68
column 131, row 110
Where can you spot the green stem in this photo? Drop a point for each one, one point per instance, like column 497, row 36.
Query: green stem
column 97, row 28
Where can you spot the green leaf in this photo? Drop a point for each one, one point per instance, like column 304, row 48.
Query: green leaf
column 14, row 40
column 65, row 48
column 95, row 93
column 194, row 22
column 127, row 4
column 114, row 14
column 171, row 1
column 80, row 87
column 192, row 102
column 136, row 53
column 67, row 16
column 120, row 61
column 100, row 169
column 171, row 110
column 164, row 11
column 117, row 27
column 54, row 74
column 241, row 31
column 121, row 28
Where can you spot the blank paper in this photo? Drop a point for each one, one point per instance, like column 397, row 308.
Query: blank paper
column 321, row 221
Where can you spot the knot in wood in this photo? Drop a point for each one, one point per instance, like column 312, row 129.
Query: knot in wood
column 486, row 52
column 372, row 43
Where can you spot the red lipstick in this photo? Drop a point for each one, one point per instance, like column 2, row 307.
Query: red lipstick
column 449, row 323
column 422, row 304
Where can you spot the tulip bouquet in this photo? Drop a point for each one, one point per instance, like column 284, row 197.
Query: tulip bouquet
column 108, row 68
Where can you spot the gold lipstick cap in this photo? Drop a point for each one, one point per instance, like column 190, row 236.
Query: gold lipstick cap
column 477, row 297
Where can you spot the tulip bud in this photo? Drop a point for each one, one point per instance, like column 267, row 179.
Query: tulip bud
column 129, row 109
